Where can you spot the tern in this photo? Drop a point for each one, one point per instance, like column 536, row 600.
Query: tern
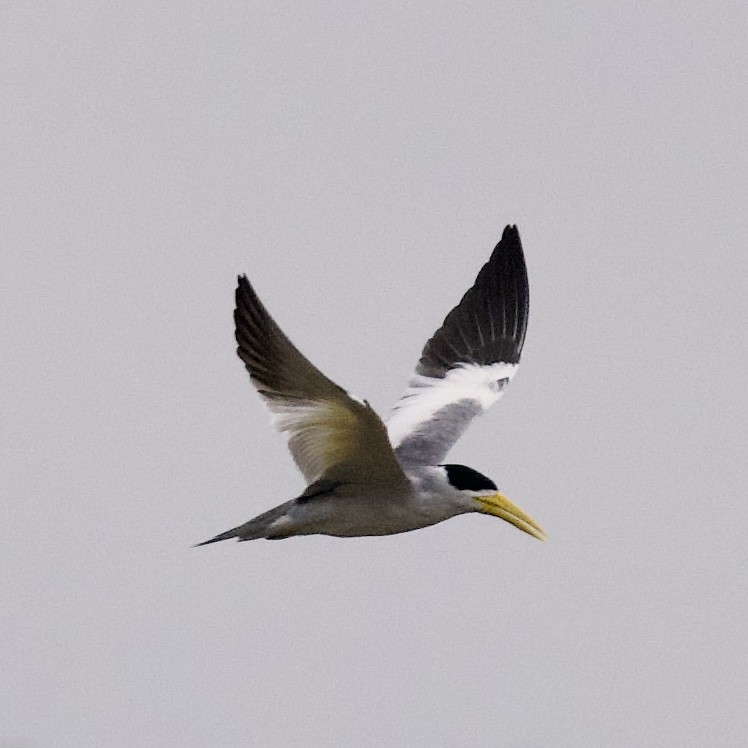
column 365, row 476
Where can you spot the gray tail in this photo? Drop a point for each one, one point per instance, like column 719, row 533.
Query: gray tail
column 256, row 528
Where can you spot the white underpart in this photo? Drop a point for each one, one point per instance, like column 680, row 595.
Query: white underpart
column 426, row 396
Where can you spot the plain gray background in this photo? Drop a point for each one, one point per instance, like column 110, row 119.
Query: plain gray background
column 359, row 161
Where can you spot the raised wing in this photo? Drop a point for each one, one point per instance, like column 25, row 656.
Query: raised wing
column 330, row 434
column 466, row 365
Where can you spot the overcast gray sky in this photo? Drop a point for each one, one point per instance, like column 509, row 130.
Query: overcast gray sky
column 359, row 161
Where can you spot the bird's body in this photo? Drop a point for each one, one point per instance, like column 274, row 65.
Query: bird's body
column 359, row 510
column 368, row 478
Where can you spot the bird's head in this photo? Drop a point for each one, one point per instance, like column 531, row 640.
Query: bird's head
column 484, row 497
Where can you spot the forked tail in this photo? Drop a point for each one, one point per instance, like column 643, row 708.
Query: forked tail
column 262, row 526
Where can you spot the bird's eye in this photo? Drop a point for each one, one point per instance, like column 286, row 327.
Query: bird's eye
column 499, row 384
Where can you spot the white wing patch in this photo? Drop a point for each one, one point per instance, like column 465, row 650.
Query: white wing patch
column 426, row 396
column 340, row 438
column 321, row 433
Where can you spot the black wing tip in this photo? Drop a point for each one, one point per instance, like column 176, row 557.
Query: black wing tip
column 507, row 256
column 247, row 300
column 509, row 241
column 243, row 286
column 243, row 289
column 488, row 325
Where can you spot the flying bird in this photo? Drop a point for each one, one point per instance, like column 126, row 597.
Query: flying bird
column 366, row 476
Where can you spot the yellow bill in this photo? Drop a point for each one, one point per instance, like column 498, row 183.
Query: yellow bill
column 500, row 506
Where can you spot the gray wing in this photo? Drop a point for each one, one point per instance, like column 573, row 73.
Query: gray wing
column 466, row 365
column 331, row 435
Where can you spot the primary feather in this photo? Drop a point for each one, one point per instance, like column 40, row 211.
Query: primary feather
column 467, row 363
column 331, row 435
